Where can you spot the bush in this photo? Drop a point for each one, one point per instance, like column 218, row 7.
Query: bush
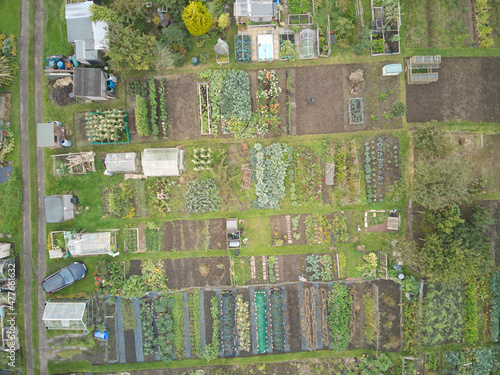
column 398, row 109
column 196, row 18
column 141, row 116
column 204, row 56
column 134, row 287
column 363, row 45
column 176, row 39
column 178, row 60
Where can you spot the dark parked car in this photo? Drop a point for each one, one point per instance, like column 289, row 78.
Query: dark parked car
column 64, row 277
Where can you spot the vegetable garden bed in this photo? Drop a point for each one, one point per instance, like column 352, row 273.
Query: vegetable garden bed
column 131, row 239
column 204, row 108
column 153, row 238
column 381, row 166
column 104, row 127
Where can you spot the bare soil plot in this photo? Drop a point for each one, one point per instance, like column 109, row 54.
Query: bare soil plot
column 197, row 272
column 294, row 265
column 468, row 89
column 390, row 315
column 293, row 331
column 282, row 229
column 357, row 291
column 186, row 235
column 180, row 93
column 329, row 86
column 481, row 156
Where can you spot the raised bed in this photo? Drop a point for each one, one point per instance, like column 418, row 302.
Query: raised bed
column 153, row 239
column 131, row 240
column 227, row 324
column 260, row 304
column 277, row 322
column 104, row 127
column 204, row 108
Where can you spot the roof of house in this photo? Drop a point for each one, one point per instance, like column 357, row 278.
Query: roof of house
column 162, row 161
column 80, row 27
column 89, row 82
column 58, row 208
column 45, row 134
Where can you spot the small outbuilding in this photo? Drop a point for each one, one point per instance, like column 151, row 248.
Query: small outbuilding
column 90, row 84
column 89, row 37
column 163, row 162
column 255, row 10
column 49, row 134
column 392, row 70
column 84, row 244
column 5, row 249
column 6, row 172
column 123, row 162
column 59, row 208
column 66, row 315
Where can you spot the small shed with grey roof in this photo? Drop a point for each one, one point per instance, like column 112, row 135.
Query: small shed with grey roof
column 163, row 161
column 6, row 172
column 123, row 162
column 255, row 10
column 88, row 36
column 58, row 208
column 90, row 84
column 49, row 134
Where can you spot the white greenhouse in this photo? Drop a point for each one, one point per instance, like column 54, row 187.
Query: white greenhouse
column 66, row 315
column 82, row 244
column 163, row 162
column 123, row 162
column 307, row 44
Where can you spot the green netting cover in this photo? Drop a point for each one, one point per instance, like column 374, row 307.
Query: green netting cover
column 227, row 324
column 278, row 328
column 260, row 303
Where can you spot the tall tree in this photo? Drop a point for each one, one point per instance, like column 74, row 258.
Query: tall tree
column 442, row 184
column 129, row 49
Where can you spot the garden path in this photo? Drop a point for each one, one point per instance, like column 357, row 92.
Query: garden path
column 139, row 351
column 119, row 331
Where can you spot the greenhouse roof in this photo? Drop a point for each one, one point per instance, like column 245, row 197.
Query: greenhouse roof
column 64, row 310
column 81, row 244
column 122, row 162
column 163, row 161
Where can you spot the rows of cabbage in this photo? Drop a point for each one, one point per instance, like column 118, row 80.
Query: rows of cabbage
column 230, row 100
column 271, row 166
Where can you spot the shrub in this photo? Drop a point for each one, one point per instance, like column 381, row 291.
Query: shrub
column 204, row 56
column 398, row 109
column 363, row 45
column 133, row 287
column 196, row 18
column 224, row 21
column 176, row 39
column 178, row 60
column 141, row 116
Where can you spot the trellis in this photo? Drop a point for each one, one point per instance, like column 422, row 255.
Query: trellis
column 307, row 44
column 204, row 108
column 300, row 19
column 356, row 111
column 242, row 49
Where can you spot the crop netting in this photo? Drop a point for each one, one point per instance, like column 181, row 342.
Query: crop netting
column 278, row 328
column 287, row 45
column 242, row 48
column 260, row 303
column 356, row 110
column 227, row 324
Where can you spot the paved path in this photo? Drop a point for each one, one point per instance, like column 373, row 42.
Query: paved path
column 25, row 147
column 40, row 170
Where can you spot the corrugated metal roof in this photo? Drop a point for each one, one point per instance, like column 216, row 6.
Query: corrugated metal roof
column 45, row 135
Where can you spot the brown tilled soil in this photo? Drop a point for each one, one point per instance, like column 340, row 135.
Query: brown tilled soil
column 197, row 272
column 468, row 89
column 60, row 94
column 279, row 229
column 293, row 330
column 183, row 235
column 357, row 290
column 390, row 315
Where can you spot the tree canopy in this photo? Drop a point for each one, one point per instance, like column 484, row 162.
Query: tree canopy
column 196, row 18
column 458, row 249
column 130, row 49
column 442, row 184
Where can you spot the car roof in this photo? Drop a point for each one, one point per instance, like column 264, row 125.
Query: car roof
column 57, row 280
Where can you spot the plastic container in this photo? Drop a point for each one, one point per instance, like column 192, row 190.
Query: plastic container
column 195, row 61
column 65, row 143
